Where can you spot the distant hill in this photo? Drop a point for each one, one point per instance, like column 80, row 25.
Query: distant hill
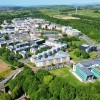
column 95, row 4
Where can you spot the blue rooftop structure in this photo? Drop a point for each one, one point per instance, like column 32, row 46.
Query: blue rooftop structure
column 84, row 73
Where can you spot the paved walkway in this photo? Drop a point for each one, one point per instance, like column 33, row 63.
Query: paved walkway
column 15, row 73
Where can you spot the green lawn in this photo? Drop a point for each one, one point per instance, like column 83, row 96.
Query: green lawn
column 67, row 75
column 78, row 43
column 93, row 54
column 4, row 73
column 74, row 57
column 31, row 64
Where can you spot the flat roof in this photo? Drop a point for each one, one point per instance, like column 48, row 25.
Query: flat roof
column 90, row 62
column 85, row 45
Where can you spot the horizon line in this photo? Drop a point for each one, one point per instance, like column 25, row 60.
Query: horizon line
column 80, row 4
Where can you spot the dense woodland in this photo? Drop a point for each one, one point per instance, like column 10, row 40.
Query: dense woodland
column 42, row 85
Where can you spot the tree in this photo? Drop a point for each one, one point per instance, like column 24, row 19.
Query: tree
column 77, row 53
column 47, row 79
column 19, row 64
column 29, row 79
column 67, row 93
column 55, row 86
column 32, row 88
column 12, row 67
column 5, row 96
column 41, row 73
column 65, row 35
column 84, row 54
column 6, row 37
column 41, row 93
column 96, row 11
column 0, row 27
column 17, row 91
column 18, row 56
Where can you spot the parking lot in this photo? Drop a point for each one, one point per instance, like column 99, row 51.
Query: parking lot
column 56, row 66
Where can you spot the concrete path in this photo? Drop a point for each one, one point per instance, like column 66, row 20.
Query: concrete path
column 15, row 73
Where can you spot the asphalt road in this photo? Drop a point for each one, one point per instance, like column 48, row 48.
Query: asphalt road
column 26, row 61
column 87, row 39
column 90, row 42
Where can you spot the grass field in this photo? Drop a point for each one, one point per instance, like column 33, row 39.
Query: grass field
column 67, row 75
column 74, row 57
column 5, row 73
column 93, row 54
column 85, row 12
column 57, row 12
column 4, row 69
column 65, row 17
column 78, row 43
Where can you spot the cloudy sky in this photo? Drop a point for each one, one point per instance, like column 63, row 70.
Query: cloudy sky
column 45, row 2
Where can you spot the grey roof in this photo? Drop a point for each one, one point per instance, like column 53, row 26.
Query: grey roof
column 10, row 47
column 86, row 71
column 23, row 52
column 22, row 48
column 62, row 53
column 45, row 59
column 90, row 62
column 24, row 43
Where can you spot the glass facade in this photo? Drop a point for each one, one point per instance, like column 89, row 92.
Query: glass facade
column 81, row 74
column 96, row 72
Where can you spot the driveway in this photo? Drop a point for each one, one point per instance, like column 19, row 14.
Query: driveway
column 26, row 61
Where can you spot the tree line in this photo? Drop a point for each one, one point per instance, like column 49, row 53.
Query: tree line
column 11, row 58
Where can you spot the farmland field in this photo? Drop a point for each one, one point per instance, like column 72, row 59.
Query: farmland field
column 59, row 12
column 85, row 12
column 64, row 17
column 4, row 68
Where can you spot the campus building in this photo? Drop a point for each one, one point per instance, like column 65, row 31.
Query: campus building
column 88, row 48
column 86, row 70
column 59, row 58
column 24, row 54
column 83, row 72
